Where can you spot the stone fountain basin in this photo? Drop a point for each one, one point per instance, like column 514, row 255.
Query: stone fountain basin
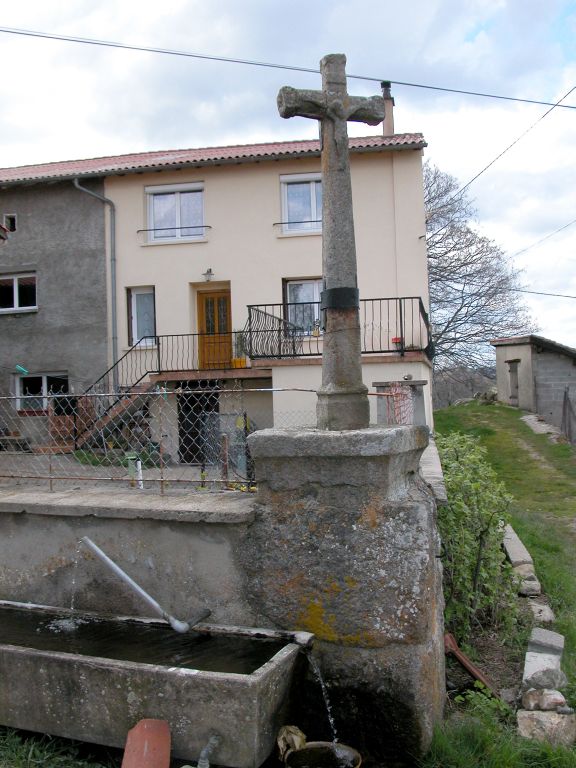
column 99, row 698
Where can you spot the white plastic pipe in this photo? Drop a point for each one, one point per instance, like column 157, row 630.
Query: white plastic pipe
column 179, row 626
column 139, row 477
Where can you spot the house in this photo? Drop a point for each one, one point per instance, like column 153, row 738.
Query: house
column 538, row 375
column 214, row 272
column 53, row 316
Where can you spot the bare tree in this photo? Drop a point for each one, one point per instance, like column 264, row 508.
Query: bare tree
column 472, row 284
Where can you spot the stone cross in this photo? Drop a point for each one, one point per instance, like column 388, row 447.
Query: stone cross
column 342, row 398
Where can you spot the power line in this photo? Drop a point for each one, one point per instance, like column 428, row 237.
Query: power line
column 268, row 64
column 533, row 245
column 516, row 140
column 543, row 293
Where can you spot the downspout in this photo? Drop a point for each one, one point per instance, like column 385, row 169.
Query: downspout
column 114, row 318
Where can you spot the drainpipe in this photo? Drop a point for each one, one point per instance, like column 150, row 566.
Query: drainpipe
column 114, row 319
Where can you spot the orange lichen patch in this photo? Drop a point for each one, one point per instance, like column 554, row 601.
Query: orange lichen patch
column 333, row 588
column 369, row 515
column 350, row 582
column 292, row 585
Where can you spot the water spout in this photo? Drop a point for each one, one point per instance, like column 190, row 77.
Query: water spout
column 176, row 624
column 213, row 743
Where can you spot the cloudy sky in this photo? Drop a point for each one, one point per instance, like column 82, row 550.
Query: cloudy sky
column 64, row 100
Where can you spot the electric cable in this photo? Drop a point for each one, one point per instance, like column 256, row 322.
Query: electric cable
column 266, row 64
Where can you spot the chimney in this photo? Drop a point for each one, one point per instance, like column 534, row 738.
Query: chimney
column 388, row 124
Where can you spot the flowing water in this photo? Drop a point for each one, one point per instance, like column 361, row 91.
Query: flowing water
column 318, row 673
column 134, row 641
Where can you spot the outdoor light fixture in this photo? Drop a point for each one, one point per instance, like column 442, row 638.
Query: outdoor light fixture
column 208, row 275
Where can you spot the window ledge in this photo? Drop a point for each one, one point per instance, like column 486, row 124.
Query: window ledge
column 24, row 412
column 160, row 243
column 18, row 310
column 309, row 233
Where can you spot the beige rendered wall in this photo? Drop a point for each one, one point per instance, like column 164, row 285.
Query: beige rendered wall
column 251, row 256
column 298, row 408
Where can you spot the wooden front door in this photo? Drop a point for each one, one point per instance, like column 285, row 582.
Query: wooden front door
column 214, row 321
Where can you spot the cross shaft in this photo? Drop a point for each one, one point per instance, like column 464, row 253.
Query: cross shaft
column 342, row 397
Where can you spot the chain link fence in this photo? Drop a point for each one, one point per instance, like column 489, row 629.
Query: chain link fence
column 182, row 436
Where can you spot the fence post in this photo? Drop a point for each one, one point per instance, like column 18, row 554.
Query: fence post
column 161, row 446
column 249, row 462
column 224, row 457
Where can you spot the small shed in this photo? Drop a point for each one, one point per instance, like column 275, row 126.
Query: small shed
column 536, row 374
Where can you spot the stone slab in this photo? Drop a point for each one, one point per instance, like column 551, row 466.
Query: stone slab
column 515, row 550
column 222, row 507
column 530, row 587
column 545, row 699
column 547, row 726
column 431, row 471
column 542, row 670
column 542, row 612
column 547, row 641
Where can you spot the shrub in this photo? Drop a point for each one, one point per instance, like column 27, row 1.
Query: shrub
column 479, row 587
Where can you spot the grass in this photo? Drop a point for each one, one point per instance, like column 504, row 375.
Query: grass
column 541, row 476
column 22, row 750
column 472, row 743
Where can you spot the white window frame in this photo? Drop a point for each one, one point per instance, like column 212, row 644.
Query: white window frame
column 175, row 189
column 318, row 285
column 146, row 341
column 314, row 226
column 15, row 307
column 21, row 399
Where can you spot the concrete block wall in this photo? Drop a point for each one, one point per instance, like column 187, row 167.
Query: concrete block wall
column 60, row 236
column 553, row 372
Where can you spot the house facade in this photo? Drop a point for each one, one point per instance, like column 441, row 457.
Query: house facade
column 53, row 293
column 213, row 273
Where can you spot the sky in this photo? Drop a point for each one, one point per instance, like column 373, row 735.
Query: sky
column 64, row 100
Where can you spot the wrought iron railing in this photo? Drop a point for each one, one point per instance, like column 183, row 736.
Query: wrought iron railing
column 272, row 331
column 294, row 329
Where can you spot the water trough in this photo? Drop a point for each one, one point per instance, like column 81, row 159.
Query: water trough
column 90, row 677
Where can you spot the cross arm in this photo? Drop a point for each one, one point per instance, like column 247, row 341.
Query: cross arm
column 294, row 102
column 362, row 109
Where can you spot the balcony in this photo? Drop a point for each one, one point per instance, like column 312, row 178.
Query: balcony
column 294, row 330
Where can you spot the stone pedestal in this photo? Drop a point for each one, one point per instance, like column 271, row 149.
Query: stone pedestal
column 344, row 545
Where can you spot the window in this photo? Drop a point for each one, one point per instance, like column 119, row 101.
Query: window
column 17, row 293
column 303, row 305
column 9, row 221
column 175, row 212
column 141, row 316
column 301, row 203
column 32, row 390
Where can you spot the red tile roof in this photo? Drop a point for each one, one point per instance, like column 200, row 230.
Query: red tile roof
column 177, row 158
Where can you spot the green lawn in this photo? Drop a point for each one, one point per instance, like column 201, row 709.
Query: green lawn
column 541, row 476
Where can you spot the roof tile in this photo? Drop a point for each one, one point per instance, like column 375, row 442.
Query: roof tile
column 118, row 164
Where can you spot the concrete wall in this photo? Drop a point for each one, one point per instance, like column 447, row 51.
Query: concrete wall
column 553, row 372
column 184, row 554
column 60, row 236
column 298, row 408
